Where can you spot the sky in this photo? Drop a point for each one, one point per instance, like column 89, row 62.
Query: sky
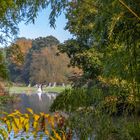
column 41, row 28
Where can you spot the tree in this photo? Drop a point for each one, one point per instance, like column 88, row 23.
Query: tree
column 47, row 67
column 3, row 72
column 3, row 69
column 37, row 61
column 16, row 54
column 109, row 28
column 13, row 12
column 105, row 25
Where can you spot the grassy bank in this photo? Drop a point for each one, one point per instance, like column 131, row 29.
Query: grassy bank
column 18, row 90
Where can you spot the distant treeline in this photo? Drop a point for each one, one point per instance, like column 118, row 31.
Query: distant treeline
column 37, row 61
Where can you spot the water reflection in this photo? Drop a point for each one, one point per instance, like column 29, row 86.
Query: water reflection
column 38, row 102
column 39, row 95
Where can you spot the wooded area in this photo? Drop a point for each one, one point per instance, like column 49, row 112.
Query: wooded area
column 38, row 61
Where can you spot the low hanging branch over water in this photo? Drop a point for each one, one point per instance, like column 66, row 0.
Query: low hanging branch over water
column 52, row 126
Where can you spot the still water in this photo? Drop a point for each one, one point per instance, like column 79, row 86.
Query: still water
column 38, row 102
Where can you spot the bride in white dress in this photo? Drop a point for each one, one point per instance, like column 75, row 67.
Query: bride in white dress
column 39, row 92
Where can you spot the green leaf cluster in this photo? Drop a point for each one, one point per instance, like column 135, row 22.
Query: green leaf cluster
column 3, row 68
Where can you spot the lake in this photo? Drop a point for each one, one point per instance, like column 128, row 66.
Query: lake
column 38, row 102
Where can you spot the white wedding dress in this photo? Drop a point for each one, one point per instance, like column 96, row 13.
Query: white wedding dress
column 39, row 92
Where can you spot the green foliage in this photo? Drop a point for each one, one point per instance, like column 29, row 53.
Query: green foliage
column 70, row 100
column 3, row 69
column 87, row 59
column 100, row 113
column 43, row 42
column 4, row 99
column 110, row 97
column 106, row 39
column 13, row 12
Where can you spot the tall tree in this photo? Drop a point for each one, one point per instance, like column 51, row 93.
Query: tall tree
column 37, row 61
column 16, row 54
column 3, row 69
column 105, row 26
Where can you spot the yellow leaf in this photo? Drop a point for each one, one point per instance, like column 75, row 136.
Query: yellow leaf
column 16, row 121
column 36, row 117
column 14, row 128
column 27, row 126
column 35, row 125
column 26, row 115
column 64, row 135
column 46, row 132
column 30, row 110
column 52, row 138
column 4, row 118
column 42, row 114
column 25, row 121
column 57, row 135
column 10, row 115
column 52, row 122
column 22, row 120
column 8, row 125
column 47, row 115
column 17, row 112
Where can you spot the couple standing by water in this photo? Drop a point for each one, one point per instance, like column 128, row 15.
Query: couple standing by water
column 39, row 91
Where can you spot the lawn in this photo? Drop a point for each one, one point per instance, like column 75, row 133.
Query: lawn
column 18, row 90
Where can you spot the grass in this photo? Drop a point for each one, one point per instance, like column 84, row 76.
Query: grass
column 18, row 90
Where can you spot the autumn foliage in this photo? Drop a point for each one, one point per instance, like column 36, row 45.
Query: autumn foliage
column 38, row 61
column 54, row 126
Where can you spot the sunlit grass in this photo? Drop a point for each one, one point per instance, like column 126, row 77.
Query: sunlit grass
column 18, row 90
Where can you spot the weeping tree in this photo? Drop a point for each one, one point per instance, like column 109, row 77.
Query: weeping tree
column 13, row 12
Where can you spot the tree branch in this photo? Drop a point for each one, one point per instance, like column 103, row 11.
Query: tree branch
column 129, row 9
